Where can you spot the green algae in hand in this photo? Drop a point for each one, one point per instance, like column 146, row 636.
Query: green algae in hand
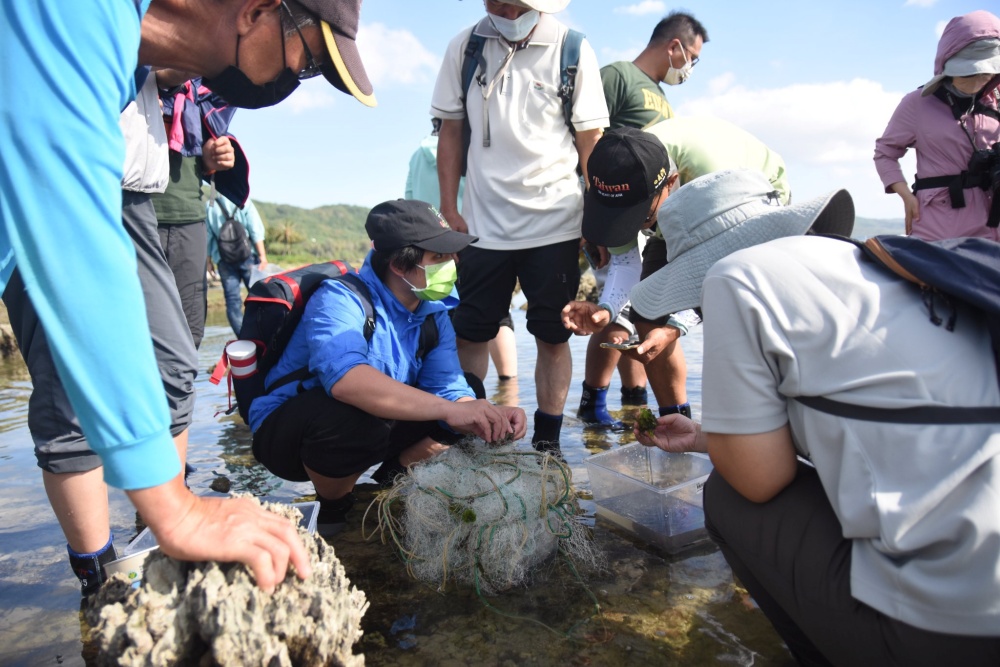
column 646, row 421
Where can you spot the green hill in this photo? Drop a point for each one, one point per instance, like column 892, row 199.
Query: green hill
column 299, row 235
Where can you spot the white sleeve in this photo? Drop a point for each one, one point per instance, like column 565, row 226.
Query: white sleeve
column 590, row 109
column 448, row 99
column 623, row 275
column 744, row 347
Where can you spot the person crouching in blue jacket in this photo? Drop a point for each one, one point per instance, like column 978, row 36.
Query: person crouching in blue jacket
column 376, row 399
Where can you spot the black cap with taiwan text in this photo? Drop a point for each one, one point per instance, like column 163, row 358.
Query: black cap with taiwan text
column 627, row 169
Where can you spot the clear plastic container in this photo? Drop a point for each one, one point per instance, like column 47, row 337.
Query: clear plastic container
column 135, row 552
column 652, row 494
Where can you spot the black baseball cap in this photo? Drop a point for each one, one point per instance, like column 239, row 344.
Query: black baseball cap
column 626, row 169
column 404, row 222
column 338, row 21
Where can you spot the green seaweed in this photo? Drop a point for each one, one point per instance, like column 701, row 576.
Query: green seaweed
column 646, row 421
column 463, row 512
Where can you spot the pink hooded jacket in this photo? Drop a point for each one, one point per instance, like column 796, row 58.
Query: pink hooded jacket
column 928, row 126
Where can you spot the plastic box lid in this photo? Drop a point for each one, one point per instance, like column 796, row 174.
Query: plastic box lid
column 146, row 540
column 654, row 495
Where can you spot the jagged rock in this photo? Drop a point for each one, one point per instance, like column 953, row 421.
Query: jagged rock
column 221, row 485
column 214, row 614
column 589, row 289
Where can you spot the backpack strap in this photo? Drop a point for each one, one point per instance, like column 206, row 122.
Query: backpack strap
column 222, row 207
column 354, row 283
column 473, row 61
column 428, row 337
column 569, row 63
column 930, row 414
column 878, row 250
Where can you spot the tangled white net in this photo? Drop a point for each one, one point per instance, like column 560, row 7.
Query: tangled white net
column 485, row 516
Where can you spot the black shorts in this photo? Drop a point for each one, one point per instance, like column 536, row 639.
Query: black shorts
column 550, row 278
column 334, row 439
column 654, row 258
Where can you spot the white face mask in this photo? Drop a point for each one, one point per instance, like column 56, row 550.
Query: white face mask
column 675, row 76
column 515, row 30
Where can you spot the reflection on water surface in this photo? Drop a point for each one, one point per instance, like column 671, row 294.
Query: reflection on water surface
column 654, row 609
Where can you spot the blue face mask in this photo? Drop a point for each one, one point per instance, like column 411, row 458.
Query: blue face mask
column 515, row 30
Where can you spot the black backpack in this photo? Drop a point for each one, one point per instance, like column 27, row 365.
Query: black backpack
column 273, row 309
column 965, row 270
column 234, row 244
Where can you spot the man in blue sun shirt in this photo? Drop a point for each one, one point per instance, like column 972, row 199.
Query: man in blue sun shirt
column 61, row 225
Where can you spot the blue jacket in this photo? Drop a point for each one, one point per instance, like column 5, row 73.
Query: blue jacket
column 61, row 221
column 330, row 340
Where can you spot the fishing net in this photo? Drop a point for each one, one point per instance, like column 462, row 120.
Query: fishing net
column 483, row 515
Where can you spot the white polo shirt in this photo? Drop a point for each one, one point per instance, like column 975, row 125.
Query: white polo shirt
column 523, row 190
column 802, row 316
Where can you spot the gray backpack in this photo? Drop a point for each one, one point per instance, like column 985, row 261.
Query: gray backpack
column 232, row 239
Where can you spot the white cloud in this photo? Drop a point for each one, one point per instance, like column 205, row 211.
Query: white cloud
column 643, row 8
column 395, row 56
column 308, row 97
column 920, row 3
column 825, row 132
column 609, row 55
column 721, row 83
column 939, row 28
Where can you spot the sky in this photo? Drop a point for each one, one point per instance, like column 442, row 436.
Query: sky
column 815, row 81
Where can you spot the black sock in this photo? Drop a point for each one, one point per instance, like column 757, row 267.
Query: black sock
column 89, row 568
column 547, row 429
column 683, row 408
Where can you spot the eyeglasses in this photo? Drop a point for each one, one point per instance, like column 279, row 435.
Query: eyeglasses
column 687, row 54
column 312, row 68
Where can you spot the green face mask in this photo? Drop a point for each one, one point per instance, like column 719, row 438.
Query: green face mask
column 441, row 279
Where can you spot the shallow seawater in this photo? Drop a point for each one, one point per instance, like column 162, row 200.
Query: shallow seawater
column 646, row 608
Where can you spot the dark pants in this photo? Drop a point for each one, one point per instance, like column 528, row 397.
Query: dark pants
column 654, row 258
column 232, row 276
column 790, row 554
column 59, row 443
column 316, row 431
column 185, row 246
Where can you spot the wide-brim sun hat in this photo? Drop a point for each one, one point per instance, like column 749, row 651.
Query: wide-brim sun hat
column 543, row 6
column 979, row 57
column 339, row 21
column 716, row 215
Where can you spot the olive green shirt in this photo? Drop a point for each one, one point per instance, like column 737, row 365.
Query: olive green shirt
column 634, row 99
column 182, row 201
